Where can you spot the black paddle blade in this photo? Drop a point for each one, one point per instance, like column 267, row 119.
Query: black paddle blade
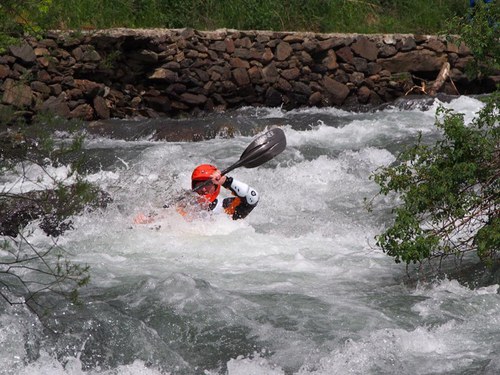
column 262, row 149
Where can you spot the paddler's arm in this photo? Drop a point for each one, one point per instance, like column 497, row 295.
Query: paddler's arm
column 242, row 190
column 248, row 194
column 245, row 200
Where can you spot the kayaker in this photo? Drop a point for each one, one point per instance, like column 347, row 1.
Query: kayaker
column 206, row 181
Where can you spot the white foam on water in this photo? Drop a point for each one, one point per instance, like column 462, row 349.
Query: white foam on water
column 300, row 276
column 73, row 366
column 31, row 177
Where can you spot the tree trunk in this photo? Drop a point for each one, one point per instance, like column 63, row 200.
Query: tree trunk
column 443, row 75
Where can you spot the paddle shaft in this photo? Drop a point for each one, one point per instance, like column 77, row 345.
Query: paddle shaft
column 223, row 172
column 260, row 150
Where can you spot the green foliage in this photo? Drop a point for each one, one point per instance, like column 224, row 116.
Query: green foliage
column 20, row 16
column 362, row 16
column 450, row 191
column 480, row 32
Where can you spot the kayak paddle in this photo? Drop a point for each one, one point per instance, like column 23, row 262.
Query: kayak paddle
column 263, row 148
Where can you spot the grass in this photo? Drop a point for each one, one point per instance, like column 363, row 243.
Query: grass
column 343, row 16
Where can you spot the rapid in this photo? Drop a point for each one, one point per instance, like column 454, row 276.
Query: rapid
column 298, row 287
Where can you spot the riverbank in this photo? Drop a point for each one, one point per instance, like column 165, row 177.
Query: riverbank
column 129, row 73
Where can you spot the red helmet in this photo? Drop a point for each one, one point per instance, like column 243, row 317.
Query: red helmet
column 201, row 173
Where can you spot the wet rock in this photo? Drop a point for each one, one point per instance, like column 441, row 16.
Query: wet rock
column 44, row 76
column 239, row 63
column 16, row 211
column 330, row 61
column 290, row 74
column 345, row 54
column 145, row 56
column 41, row 51
column 267, row 56
column 387, row 51
column 328, row 44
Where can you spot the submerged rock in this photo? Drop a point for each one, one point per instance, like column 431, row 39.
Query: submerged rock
column 53, row 208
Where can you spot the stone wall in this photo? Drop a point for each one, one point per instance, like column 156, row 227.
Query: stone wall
column 125, row 73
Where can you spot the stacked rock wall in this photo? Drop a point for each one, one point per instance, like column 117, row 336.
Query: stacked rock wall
column 125, row 72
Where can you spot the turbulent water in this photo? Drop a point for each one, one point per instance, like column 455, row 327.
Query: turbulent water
column 298, row 287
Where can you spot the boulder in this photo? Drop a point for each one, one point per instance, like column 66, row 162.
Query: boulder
column 195, row 99
column 159, row 103
column 345, row 54
column 365, row 48
column 273, row 98
column 290, row 74
column 88, row 88
column 4, row 71
column 41, row 88
column 315, row 99
column 101, row 108
column 52, row 208
column 56, row 105
column 363, row 95
column 241, row 77
column 337, row 92
column 283, row 51
column 414, row 61
column 270, row 73
column 166, row 75
column 25, row 53
column 82, row 111
column 328, row 44
column 17, row 93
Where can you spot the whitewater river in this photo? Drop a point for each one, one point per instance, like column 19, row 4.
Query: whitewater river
column 298, row 287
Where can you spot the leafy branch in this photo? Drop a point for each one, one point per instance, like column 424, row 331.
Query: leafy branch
column 33, row 194
column 450, row 191
column 479, row 31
